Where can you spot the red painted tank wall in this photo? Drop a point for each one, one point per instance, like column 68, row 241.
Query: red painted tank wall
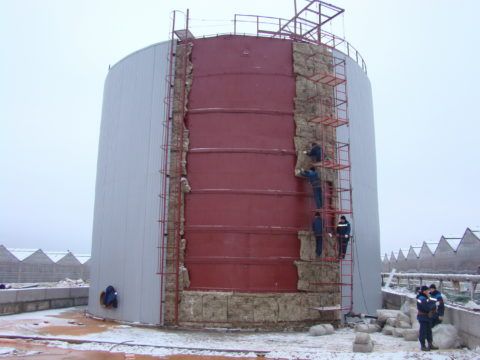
column 246, row 205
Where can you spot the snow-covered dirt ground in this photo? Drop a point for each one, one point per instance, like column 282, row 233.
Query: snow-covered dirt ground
column 63, row 324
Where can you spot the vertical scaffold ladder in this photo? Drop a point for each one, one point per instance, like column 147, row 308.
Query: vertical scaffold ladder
column 168, row 247
column 333, row 124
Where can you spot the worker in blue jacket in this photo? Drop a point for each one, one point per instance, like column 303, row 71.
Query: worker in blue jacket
column 317, row 228
column 315, row 153
column 437, row 317
column 426, row 307
column 314, row 180
column 343, row 236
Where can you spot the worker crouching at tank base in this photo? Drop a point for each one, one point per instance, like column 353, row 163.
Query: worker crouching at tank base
column 426, row 307
column 314, row 180
column 343, row 236
column 317, row 228
column 315, row 153
column 437, row 316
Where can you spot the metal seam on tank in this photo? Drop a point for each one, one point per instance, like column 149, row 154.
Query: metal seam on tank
column 290, row 75
column 250, row 192
column 239, row 110
column 243, row 229
column 242, row 151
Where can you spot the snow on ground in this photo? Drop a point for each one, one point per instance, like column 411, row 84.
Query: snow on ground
column 151, row 341
column 62, row 283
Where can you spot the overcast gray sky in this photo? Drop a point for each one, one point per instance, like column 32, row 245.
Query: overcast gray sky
column 422, row 59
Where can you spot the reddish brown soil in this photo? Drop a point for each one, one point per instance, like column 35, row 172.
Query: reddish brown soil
column 78, row 324
column 44, row 352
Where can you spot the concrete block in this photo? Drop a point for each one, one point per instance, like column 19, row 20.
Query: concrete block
column 61, row 303
column 36, row 305
column 8, row 296
column 214, row 307
column 265, row 309
column 79, row 292
column 57, row 293
column 24, row 295
column 240, row 308
column 81, row 301
column 10, row 308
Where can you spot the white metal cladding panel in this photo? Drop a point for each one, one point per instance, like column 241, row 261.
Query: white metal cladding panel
column 127, row 206
column 367, row 295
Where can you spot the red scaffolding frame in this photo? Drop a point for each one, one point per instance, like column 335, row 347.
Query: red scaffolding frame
column 337, row 194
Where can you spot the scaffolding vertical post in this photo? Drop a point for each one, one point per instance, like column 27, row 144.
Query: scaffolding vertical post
column 171, row 170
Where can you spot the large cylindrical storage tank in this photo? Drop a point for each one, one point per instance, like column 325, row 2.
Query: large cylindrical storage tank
column 236, row 252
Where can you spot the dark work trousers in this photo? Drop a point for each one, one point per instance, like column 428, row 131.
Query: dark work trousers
column 317, row 194
column 319, row 242
column 425, row 332
column 342, row 246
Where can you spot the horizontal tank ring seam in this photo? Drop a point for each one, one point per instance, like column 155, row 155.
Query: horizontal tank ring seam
column 249, row 191
column 222, row 74
column 243, row 229
column 242, row 151
column 239, row 110
column 240, row 260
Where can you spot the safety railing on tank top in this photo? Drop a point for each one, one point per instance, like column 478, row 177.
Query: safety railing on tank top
column 301, row 30
column 266, row 26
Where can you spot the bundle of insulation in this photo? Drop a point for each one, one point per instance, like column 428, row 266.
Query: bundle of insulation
column 445, row 336
column 399, row 323
column 322, row 329
column 362, row 343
